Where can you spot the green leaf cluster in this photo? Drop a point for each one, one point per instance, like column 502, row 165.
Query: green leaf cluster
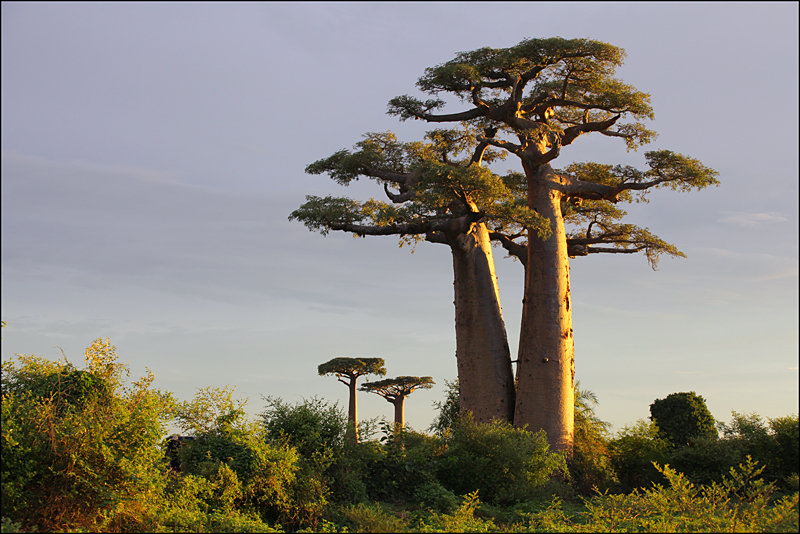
column 683, row 416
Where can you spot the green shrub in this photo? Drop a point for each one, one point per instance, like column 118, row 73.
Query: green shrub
column 400, row 463
column 505, row 464
column 706, row 460
column 740, row 503
column 267, row 472
column 633, row 452
column 433, row 496
column 785, row 432
column 198, row 504
column 312, row 426
column 461, row 520
column 681, row 417
column 79, row 447
column 775, row 444
column 372, row 517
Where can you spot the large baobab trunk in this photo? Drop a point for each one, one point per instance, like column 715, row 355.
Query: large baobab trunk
column 352, row 425
column 546, row 367
column 485, row 376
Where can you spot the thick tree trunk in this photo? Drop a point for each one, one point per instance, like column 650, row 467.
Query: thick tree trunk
column 485, row 376
column 399, row 412
column 546, row 367
column 352, row 426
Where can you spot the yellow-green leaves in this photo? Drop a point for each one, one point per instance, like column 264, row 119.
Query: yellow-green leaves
column 318, row 213
column 211, row 408
column 679, row 172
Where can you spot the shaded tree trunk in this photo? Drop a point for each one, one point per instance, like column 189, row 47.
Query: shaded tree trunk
column 546, row 367
column 485, row 376
column 399, row 412
column 352, row 413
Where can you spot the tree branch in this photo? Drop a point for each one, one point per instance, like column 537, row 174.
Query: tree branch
column 404, row 196
column 515, row 249
column 455, row 117
column 573, row 132
column 511, row 147
column 398, row 178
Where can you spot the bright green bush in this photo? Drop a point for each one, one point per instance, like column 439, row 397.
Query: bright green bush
column 505, row 464
column 372, row 517
column 199, row 504
column 312, row 426
column 267, row 472
column 740, row 503
column 78, row 445
column 633, row 451
column 461, row 520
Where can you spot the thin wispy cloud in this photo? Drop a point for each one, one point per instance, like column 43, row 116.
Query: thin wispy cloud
column 739, row 218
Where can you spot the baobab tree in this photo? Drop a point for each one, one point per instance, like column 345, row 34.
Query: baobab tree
column 351, row 369
column 545, row 94
column 395, row 390
column 441, row 197
column 449, row 199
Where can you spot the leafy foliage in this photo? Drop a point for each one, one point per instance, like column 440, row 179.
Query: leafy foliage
column 313, row 426
column 82, row 452
column 448, row 409
column 504, row 463
column 592, row 467
column 78, row 446
column 633, row 452
column 739, row 504
column 681, row 417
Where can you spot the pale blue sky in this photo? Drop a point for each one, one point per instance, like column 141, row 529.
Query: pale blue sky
column 151, row 154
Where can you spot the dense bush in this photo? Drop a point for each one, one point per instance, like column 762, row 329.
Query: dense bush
column 633, row 452
column 504, row 464
column 401, row 462
column 775, row 444
column 312, row 426
column 82, row 451
column 78, row 446
column 681, row 417
column 740, row 503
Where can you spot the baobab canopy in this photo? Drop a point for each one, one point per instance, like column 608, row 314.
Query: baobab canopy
column 352, row 366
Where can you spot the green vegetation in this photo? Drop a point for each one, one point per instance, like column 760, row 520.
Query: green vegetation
column 84, row 451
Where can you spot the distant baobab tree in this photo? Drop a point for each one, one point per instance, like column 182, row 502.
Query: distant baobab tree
column 352, row 368
column 395, row 390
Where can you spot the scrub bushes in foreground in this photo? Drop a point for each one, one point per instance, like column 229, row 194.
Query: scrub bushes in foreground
column 79, row 446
